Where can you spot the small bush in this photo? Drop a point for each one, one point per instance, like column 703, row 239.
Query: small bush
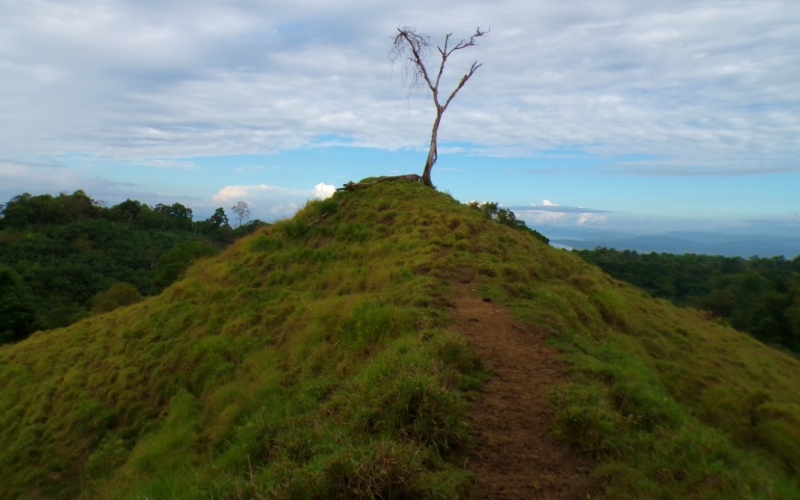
column 295, row 228
column 118, row 295
column 324, row 208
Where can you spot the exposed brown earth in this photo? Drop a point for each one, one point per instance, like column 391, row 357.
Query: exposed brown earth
column 515, row 455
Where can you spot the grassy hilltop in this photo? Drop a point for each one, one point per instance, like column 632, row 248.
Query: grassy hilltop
column 315, row 359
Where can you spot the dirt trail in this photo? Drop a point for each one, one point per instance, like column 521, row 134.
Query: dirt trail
column 515, row 456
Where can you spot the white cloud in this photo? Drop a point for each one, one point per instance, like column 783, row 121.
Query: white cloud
column 271, row 202
column 323, row 191
column 283, row 211
column 552, row 214
column 708, row 85
column 232, row 194
column 35, row 178
column 536, row 217
column 589, row 219
column 541, row 217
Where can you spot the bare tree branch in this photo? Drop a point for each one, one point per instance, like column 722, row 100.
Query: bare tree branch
column 408, row 39
column 413, row 47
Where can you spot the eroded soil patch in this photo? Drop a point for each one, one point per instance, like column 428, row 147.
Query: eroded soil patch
column 516, row 456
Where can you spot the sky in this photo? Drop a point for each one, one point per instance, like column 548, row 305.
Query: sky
column 623, row 114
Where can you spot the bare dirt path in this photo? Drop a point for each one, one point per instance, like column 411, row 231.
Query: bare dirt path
column 515, row 456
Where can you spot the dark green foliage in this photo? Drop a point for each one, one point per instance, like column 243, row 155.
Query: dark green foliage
column 175, row 216
column 127, row 211
column 759, row 296
column 505, row 216
column 65, row 265
column 219, row 218
column 16, row 307
column 68, row 249
column 177, row 259
column 25, row 209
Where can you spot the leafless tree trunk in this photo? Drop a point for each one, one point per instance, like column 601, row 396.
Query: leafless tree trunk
column 242, row 210
column 414, row 47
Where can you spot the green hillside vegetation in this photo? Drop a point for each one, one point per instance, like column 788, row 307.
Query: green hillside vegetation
column 314, row 359
column 62, row 255
column 760, row 296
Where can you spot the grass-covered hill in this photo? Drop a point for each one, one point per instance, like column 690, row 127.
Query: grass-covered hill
column 316, row 359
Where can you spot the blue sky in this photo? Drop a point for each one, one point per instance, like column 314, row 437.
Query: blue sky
column 631, row 115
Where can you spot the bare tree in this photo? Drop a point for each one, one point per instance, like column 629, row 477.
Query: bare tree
column 414, row 47
column 242, row 210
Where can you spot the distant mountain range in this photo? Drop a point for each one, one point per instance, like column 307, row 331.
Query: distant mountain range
column 675, row 242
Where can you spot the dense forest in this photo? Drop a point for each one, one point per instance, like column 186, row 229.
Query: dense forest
column 760, row 296
column 65, row 257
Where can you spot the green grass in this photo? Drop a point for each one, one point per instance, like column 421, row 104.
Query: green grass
column 672, row 405
column 315, row 359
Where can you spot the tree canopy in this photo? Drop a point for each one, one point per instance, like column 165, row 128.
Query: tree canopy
column 760, row 296
column 64, row 257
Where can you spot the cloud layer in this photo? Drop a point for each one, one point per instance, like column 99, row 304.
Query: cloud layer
column 684, row 86
column 549, row 213
column 275, row 202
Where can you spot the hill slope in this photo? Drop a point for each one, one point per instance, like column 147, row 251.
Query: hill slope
column 316, row 358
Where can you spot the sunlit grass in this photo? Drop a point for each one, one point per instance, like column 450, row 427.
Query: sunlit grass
column 315, row 359
column 671, row 404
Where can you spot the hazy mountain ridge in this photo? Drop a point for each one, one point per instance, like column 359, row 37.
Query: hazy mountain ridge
column 677, row 242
